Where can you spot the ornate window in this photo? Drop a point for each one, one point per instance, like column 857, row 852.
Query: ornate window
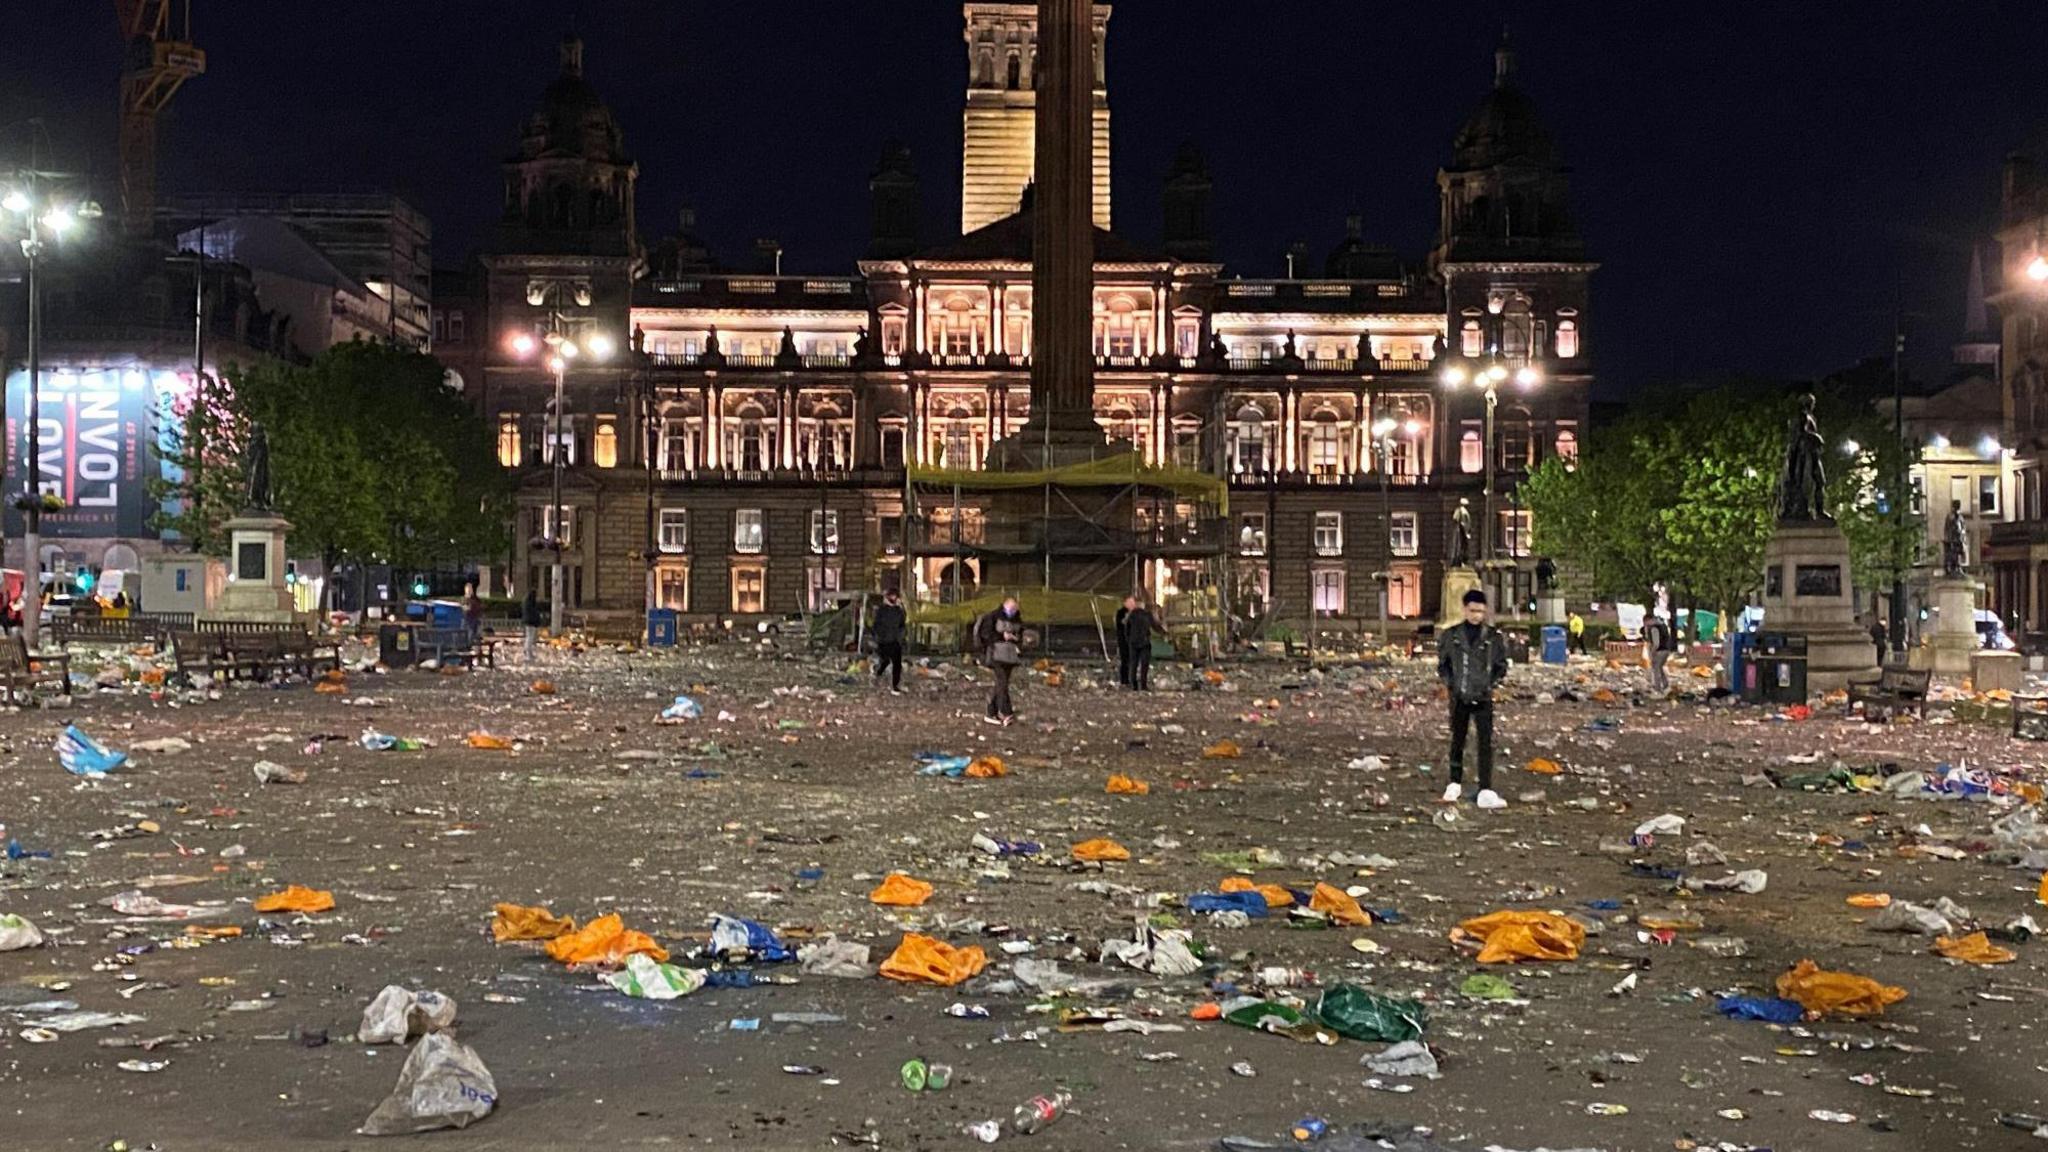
column 509, row 440
column 1471, row 452
column 675, row 530
column 604, row 445
column 1567, row 339
column 747, row 533
column 1329, row 534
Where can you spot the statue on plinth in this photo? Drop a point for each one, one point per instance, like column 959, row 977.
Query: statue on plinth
column 1546, row 574
column 1461, row 535
column 1955, row 543
column 256, row 470
column 1802, row 488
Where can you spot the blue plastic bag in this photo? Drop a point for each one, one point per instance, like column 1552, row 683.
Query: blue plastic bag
column 1250, row 903
column 683, row 708
column 82, row 755
column 940, row 764
column 734, row 939
column 1769, row 1009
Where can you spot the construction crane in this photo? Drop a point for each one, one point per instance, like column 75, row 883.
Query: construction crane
column 160, row 58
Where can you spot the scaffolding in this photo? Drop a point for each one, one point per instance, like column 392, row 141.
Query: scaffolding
column 1098, row 524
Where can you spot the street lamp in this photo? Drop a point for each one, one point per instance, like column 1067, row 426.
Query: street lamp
column 40, row 214
column 1489, row 377
column 561, row 348
column 1383, row 431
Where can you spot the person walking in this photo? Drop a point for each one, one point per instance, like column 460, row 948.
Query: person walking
column 1660, row 642
column 1138, row 628
column 1472, row 658
column 888, row 633
column 1123, row 641
column 999, row 637
column 1879, row 638
column 529, row 622
column 473, row 614
column 1576, row 625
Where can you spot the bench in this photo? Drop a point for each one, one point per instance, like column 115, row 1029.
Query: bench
column 440, row 644
column 303, row 654
column 106, row 629
column 1895, row 689
column 22, row 670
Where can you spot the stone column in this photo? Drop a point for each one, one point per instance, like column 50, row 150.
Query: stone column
column 1063, row 238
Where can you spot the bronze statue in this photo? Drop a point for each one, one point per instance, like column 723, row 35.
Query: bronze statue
column 1802, row 489
column 1546, row 574
column 788, row 342
column 1955, row 543
column 1461, row 535
column 256, row 469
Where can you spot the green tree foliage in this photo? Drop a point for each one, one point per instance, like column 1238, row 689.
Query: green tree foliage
column 371, row 457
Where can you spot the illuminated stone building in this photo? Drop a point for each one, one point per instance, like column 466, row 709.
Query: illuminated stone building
column 746, row 452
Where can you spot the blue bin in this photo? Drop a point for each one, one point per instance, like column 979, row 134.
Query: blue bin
column 1553, row 644
column 661, row 628
column 1739, row 645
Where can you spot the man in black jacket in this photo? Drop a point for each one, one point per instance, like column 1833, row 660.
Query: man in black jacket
column 1123, row 641
column 1138, row 645
column 1472, row 658
column 888, row 633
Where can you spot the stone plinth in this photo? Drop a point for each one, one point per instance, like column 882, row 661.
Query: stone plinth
column 1955, row 625
column 1457, row 582
column 1808, row 591
column 1550, row 608
column 1992, row 671
column 256, row 589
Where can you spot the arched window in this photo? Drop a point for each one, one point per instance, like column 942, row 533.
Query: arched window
column 1568, row 446
column 1471, row 453
column 1470, row 341
column 1016, row 79
column 1517, row 328
column 752, row 439
column 1567, row 339
column 1325, row 444
column 1248, row 451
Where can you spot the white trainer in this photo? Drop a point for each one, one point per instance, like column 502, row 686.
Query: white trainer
column 1490, row 800
column 1452, row 792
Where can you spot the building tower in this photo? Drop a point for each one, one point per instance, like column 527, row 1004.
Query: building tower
column 1186, row 205
column 1002, row 58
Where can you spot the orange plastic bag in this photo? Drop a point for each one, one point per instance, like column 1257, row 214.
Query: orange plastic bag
column 1121, row 785
column 1222, row 750
column 1275, row 895
column 1101, row 850
column 1976, row 948
column 1605, row 695
column 542, row 688
column 1511, row 937
column 216, row 932
column 330, row 687
column 1798, row 712
column 987, row 767
column 901, row 891
column 923, row 960
column 1338, row 906
column 487, row 742
column 2041, row 896
column 1545, row 767
column 605, row 940
column 296, row 899
column 521, row 922
column 1055, row 678
column 1871, row 900
column 1212, row 676
column 1821, row 992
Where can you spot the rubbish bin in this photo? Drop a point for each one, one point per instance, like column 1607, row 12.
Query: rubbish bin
column 1554, row 644
column 395, row 645
column 661, row 628
column 1739, row 681
column 1780, row 667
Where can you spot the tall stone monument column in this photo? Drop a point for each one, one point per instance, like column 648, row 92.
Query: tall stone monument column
column 1808, row 590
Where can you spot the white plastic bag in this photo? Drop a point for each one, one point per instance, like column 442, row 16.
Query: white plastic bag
column 399, row 1014
column 831, row 956
column 646, row 978
column 443, row 1085
column 1665, row 825
column 18, row 932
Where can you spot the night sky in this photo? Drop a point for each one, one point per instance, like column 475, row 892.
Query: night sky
column 1755, row 179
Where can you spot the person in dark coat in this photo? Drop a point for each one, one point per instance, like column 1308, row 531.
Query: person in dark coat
column 887, row 629
column 1471, row 659
column 999, row 639
column 1123, row 641
column 530, row 621
column 1138, row 628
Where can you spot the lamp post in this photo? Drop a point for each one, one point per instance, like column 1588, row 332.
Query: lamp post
column 1383, row 434
column 562, row 348
column 40, row 216
column 1488, row 377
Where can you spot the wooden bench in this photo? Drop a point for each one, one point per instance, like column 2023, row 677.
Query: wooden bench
column 106, row 629
column 440, row 644
column 1895, row 689
column 21, row 670
column 2029, row 717
column 303, row 654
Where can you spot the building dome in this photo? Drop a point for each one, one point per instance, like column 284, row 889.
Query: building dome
column 573, row 120
column 1505, row 126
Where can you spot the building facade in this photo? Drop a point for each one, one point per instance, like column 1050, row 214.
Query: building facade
column 747, row 453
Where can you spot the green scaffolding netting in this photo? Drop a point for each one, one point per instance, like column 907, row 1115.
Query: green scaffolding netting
column 1038, row 605
column 1128, row 468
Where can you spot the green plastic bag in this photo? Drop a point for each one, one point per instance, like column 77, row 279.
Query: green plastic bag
column 1362, row 1015
column 1280, row 1020
column 1486, row 986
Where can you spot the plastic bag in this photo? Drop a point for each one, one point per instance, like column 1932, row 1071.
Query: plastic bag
column 1160, row 951
column 1363, row 1015
column 443, row 1085
column 398, row 1014
column 1222, row 750
column 1544, row 766
column 18, row 932
column 297, row 898
column 520, row 922
column 1101, row 850
column 1338, row 905
column 271, row 772
column 1749, row 881
column 646, row 978
column 1486, row 986
column 680, row 709
column 1976, row 948
column 1245, row 903
column 1279, row 1019
column 1121, row 785
column 1665, row 825
column 1275, row 895
column 1408, row 1058
column 923, row 960
column 1905, row 916
column 1822, row 992
column 831, row 956
column 1510, row 937
column 939, row 764
column 901, row 891
column 1769, row 1009
column 484, row 741
column 82, row 755
column 734, row 941
column 985, row 767
column 604, row 941
column 375, row 741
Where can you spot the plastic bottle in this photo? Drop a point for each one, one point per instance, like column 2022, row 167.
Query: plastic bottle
column 1038, row 1112
column 1277, row 977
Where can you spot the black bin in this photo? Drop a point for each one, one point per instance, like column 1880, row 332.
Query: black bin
column 1780, row 663
column 397, row 645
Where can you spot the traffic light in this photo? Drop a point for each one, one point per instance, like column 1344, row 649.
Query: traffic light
column 419, row 588
column 83, row 581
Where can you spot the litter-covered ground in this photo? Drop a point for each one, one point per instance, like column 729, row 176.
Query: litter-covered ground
column 283, row 903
